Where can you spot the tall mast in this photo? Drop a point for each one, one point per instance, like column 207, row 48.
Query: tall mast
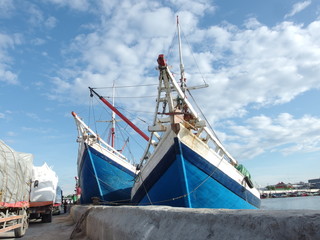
column 134, row 127
column 83, row 129
column 182, row 79
column 113, row 120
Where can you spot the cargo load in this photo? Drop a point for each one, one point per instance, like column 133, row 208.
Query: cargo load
column 15, row 177
column 43, row 193
column 15, row 180
column 44, row 184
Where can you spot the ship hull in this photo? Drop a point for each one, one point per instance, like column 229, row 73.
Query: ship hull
column 103, row 177
column 184, row 178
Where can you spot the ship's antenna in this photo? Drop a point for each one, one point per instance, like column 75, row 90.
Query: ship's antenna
column 183, row 79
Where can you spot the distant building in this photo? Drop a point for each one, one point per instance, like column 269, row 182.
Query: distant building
column 282, row 185
column 301, row 185
column 314, row 183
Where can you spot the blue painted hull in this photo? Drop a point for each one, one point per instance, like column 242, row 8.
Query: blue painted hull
column 102, row 177
column 184, row 179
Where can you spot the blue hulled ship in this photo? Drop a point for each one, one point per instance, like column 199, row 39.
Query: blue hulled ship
column 185, row 164
column 104, row 174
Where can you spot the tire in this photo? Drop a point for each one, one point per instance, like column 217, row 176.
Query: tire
column 47, row 218
column 20, row 232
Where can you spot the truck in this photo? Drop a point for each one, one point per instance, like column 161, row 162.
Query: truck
column 15, row 179
column 43, row 193
column 58, row 202
column 41, row 210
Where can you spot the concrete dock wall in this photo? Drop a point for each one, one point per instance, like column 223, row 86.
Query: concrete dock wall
column 161, row 222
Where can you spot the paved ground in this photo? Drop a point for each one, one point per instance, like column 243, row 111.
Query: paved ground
column 60, row 228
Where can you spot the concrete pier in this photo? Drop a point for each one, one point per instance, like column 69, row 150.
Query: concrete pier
column 162, row 222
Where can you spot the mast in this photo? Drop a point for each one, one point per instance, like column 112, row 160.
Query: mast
column 113, row 120
column 83, row 129
column 166, row 76
column 183, row 78
column 134, row 127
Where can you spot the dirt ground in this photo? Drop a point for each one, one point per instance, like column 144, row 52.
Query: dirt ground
column 60, row 228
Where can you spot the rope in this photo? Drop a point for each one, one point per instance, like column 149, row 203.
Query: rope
column 181, row 196
column 203, row 115
column 193, row 57
column 105, row 183
column 144, row 187
column 174, row 198
column 128, row 86
column 169, row 199
column 125, row 110
column 125, row 140
column 131, row 97
column 171, row 45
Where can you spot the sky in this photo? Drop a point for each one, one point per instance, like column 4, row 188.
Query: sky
column 261, row 60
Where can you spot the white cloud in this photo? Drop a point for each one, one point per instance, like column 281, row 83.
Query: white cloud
column 8, row 76
column 11, row 134
column 125, row 46
column 121, row 48
column 6, row 8
column 7, row 42
column 36, row 17
column 285, row 134
column 2, row 115
column 81, row 5
column 254, row 66
column 50, row 22
column 38, row 84
column 196, row 7
column 108, row 6
column 40, row 130
column 252, row 23
column 298, row 7
column 60, row 85
column 38, row 41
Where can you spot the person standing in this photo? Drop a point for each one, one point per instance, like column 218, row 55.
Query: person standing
column 65, row 206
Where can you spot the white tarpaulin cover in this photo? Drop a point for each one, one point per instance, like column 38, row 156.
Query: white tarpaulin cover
column 15, row 176
column 44, row 184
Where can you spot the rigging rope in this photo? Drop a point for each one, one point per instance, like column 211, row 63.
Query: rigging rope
column 129, row 86
column 194, row 58
column 171, row 45
column 129, row 135
column 174, row 198
column 144, row 187
column 131, row 97
column 121, row 126
column 203, row 116
column 116, row 202
column 178, row 197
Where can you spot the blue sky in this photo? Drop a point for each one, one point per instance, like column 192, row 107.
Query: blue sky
column 261, row 60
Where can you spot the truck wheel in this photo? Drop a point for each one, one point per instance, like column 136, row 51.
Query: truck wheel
column 19, row 232
column 47, row 218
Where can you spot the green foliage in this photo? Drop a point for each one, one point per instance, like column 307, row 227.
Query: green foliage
column 271, row 187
